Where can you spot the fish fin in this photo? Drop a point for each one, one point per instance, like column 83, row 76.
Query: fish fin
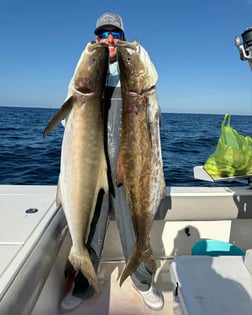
column 163, row 191
column 60, row 115
column 84, row 264
column 153, row 117
column 150, row 129
column 103, row 175
column 131, row 266
column 136, row 258
column 119, row 170
column 58, row 194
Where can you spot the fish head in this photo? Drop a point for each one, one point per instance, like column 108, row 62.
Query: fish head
column 137, row 72
column 91, row 71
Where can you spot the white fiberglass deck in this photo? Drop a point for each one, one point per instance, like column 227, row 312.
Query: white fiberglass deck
column 18, row 229
column 34, row 247
column 113, row 299
column 25, row 261
column 32, row 230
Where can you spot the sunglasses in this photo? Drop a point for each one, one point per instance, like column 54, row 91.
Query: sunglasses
column 116, row 35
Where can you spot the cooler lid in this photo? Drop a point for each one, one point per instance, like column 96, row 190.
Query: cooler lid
column 212, row 285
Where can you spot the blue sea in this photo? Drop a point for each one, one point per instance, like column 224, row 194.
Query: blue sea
column 26, row 158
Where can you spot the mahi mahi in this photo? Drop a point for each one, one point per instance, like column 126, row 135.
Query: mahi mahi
column 83, row 168
column 139, row 165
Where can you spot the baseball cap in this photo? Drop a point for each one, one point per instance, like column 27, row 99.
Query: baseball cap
column 109, row 19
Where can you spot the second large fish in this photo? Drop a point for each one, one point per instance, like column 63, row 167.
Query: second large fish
column 83, row 169
column 140, row 166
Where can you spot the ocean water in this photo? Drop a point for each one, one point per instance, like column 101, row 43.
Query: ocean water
column 26, row 158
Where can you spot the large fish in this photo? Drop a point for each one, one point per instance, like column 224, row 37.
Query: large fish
column 140, row 166
column 83, row 169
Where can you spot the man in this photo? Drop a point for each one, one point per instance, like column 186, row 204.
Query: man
column 109, row 30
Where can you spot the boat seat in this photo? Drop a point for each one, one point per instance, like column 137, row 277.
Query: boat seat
column 212, row 285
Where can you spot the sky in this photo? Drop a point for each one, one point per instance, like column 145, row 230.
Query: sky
column 191, row 43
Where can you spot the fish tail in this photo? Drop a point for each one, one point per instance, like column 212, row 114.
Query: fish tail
column 132, row 264
column 137, row 257
column 84, row 264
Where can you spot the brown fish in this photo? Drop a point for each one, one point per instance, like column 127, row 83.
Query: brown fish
column 140, row 166
column 83, row 169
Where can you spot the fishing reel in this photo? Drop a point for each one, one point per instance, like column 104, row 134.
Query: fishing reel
column 245, row 48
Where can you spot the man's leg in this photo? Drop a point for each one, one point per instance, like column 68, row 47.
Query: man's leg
column 141, row 277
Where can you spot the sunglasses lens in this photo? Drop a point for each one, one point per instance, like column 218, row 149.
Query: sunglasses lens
column 103, row 35
column 116, row 35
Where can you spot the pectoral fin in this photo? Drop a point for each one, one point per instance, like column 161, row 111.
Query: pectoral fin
column 58, row 195
column 119, row 170
column 60, row 115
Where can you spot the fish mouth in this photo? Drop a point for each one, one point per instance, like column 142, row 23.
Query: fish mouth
column 92, row 47
column 93, row 44
column 133, row 45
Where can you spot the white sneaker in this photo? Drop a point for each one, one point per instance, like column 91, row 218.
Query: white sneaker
column 70, row 302
column 152, row 298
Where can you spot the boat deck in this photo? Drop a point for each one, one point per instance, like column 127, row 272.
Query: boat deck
column 115, row 300
column 34, row 247
column 32, row 230
column 124, row 300
column 24, row 214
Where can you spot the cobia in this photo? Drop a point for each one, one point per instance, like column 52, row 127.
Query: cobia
column 140, row 166
column 83, row 167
